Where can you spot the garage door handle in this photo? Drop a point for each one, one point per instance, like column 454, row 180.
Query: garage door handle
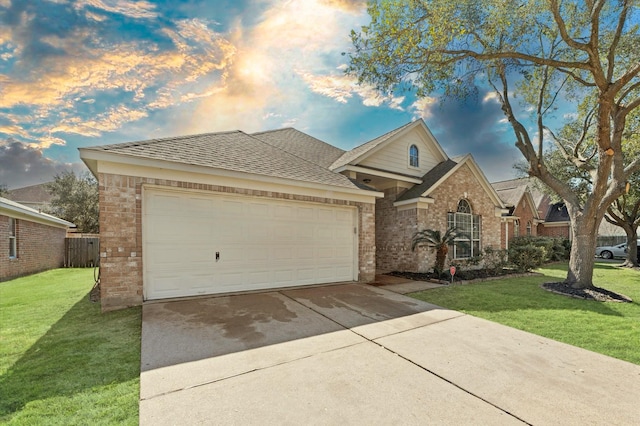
column 217, row 256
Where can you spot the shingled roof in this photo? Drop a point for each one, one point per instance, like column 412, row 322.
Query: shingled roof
column 302, row 145
column 512, row 190
column 428, row 180
column 235, row 151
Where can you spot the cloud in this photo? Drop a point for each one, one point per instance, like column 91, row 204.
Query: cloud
column 262, row 78
column 61, row 68
column 133, row 9
column 343, row 87
column 352, row 6
column 423, row 107
column 475, row 126
column 23, row 165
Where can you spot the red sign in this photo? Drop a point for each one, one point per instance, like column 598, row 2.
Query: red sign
column 452, row 270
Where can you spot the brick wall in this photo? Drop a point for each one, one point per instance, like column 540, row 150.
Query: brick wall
column 40, row 247
column 554, row 231
column 395, row 228
column 121, row 233
column 525, row 214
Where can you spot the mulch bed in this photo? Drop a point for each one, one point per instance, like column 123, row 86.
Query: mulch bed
column 594, row 293
column 467, row 275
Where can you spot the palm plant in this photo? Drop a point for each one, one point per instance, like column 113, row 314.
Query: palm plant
column 439, row 242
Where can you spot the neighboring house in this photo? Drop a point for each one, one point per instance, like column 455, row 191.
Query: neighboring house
column 30, row 241
column 228, row 212
column 35, row 196
column 531, row 212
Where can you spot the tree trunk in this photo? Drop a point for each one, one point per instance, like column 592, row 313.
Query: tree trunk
column 583, row 243
column 632, row 247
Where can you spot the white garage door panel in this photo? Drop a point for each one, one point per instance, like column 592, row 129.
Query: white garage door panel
column 263, row 243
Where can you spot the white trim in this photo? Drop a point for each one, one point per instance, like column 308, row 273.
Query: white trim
column 555, row 224
column 417, row 203
column 373, row 172
column 238, row 180
column 100, row 162
column 19, row 211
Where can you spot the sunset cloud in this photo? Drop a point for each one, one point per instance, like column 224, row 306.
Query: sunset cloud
column 341, row 88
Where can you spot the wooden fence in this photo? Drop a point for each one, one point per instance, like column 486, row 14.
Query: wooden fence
column 83, row 252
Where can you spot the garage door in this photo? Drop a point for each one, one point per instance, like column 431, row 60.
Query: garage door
column 196, row 243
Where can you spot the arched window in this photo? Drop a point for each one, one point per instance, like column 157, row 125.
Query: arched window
column 469, row 226
column 529, row 228
column 414, row 156
column 516, row 228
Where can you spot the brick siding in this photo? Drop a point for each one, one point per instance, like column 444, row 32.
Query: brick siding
column 121, row 233
column 525, row 214
column 395, row 228
column 554, row 231
column 40, row 247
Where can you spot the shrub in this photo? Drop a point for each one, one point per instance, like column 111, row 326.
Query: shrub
column 494, row 260
column 556, row 249
column 527, row 257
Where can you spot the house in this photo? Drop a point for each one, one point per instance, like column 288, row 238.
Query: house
column 35, row 196
column 228, row 212
column 30, row 241
column 531, row 211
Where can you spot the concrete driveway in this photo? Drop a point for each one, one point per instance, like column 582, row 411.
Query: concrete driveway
column 358, row 354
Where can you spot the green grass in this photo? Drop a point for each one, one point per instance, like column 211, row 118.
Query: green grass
column 609, row 328
column 61, row 360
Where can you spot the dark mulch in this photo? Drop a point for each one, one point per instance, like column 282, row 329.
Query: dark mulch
column 594, row 293
column 467, row 275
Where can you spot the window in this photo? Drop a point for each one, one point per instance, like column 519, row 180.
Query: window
column 516, row 228
column 469, row 225
column 529, row 228
column 13, row 252
column 414, row 156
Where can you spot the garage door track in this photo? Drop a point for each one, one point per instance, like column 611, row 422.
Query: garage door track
column 357, row 354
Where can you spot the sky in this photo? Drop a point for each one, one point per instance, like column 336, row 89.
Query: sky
column 76, row 73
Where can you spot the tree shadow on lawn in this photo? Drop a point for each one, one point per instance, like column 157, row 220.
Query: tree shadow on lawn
column 83, row 350
column 520, row 294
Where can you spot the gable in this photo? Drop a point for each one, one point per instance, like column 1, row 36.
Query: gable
column 394, row 156
column 446, row 175
column 390, row 152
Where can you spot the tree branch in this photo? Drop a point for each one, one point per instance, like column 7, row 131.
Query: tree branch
column 611, row 54
column 555, row 10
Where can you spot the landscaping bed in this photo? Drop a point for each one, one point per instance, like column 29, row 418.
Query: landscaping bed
column 464, row 275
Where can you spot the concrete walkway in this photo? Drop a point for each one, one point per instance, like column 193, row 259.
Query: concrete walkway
column 358, row 354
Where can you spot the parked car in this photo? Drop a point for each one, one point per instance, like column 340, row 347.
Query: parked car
column 609, row 252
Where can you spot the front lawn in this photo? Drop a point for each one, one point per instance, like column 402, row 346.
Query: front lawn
column 609, row 328
column 61, row 360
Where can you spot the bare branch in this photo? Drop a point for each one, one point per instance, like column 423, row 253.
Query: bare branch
column 632, row 168
column 611, row 54
column 555, row 10
column 514, row 55
column 577, row 78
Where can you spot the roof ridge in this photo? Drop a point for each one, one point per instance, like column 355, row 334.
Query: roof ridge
column 276, row 130
column 165, row 139
column 292, row 154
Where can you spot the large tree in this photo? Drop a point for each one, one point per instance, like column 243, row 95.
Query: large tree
column 625, row 210
column 550, row 52
column 75, row 199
